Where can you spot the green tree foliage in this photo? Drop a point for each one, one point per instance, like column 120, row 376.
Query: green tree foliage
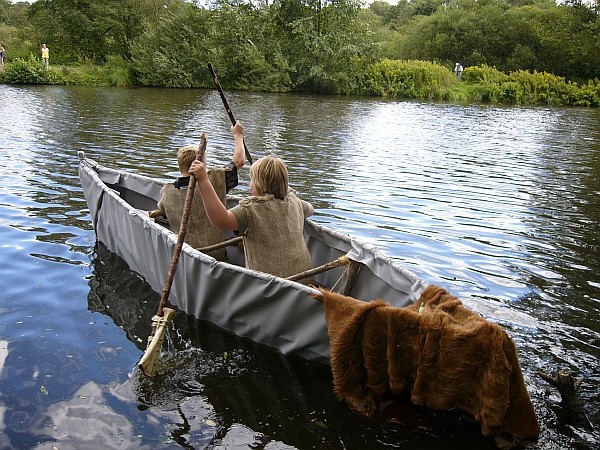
column 279, row 47
column 4, row 8
column 326, row 44
column 331, row 46
column 528, row 34
column 15, row 31
column 237, row 37
column 174, row 52
column 247, row 47
column 88, row 30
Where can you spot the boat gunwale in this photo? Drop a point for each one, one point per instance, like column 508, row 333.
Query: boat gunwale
column 351, row 241
column 262, row 307
column 172, row 236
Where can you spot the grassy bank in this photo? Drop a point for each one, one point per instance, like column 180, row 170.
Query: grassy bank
column 32, row 71
column 388, row 78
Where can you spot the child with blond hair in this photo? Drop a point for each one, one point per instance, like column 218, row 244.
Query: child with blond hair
column 201, row 232
column 271, row 221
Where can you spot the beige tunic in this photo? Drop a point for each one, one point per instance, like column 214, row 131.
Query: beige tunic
column 273, row 233
column 200, row 231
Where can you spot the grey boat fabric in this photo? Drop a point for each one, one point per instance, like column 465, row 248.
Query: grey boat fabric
column 267, row 309
column 200, row 231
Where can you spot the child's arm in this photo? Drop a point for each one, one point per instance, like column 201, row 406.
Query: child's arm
column 307, row 208
column 218, row 214
column 156, row 213
column 239, row 154
column 310, row 210
column 160, row 208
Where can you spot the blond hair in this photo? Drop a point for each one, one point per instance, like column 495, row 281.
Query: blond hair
column 270, row 176
column 186, row 156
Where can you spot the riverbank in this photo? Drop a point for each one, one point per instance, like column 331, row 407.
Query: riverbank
column 419, row 80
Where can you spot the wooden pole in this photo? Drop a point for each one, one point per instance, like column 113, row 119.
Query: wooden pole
column 352, row 273
column 341, row 261
column 149, row 360
column 227, row 243
column 213, row 74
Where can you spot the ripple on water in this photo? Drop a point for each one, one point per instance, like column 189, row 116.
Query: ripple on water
column 496, row 204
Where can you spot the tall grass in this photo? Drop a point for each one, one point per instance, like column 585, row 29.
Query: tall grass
column 408, row 79
column 120, row 73
column 529, row 88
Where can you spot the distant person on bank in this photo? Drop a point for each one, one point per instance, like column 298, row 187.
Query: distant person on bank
column 458, row 70
column 46, row 55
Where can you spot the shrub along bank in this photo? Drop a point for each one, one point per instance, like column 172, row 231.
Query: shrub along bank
column 387, row 78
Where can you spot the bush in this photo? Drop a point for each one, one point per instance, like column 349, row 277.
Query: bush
column 31, row 71
column 539, row 88
column 256, row 73
column 483, row 74
column 486, row 93
column 529, row 88
column 587, row 95
column 87, row 75
column 408, row 79
column 120, row 73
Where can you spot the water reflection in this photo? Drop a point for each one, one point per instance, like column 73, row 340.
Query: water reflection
column 216, row 388
column 498, row 205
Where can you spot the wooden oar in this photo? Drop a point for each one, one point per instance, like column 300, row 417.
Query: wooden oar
column 341, row 261
column 231, row 116
column 230, row 242
column 164, row 315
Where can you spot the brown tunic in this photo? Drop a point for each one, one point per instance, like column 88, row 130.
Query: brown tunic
column 200, row 232
column 273, row 233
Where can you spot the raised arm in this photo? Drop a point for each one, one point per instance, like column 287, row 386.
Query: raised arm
column 218, row 214
column 239, row 153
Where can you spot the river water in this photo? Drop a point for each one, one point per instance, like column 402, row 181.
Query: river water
column 499, row 205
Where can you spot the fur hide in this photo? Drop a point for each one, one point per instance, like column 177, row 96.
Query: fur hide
column 445, row 356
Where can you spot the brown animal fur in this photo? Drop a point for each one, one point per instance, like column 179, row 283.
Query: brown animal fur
column 446, row 357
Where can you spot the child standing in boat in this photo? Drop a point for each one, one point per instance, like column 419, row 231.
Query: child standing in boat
column 201, row 232
column 271, row 221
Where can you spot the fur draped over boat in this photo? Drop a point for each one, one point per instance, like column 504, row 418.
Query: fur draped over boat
column 437, row 350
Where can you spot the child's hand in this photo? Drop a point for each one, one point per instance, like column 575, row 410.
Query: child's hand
column 237, row 129
column 198, row 170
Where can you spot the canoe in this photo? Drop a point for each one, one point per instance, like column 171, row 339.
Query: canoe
column 270, row 310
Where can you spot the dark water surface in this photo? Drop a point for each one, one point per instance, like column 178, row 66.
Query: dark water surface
column 498, row 205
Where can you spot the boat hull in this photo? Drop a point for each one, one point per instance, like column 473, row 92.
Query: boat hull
column 267, row 309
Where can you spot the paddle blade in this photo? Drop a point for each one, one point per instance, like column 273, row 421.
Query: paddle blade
column 149, row 362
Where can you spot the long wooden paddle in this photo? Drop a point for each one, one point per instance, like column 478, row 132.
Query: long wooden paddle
column 164, row 315
column 226, row 104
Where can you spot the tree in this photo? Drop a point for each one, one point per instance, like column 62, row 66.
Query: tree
column 15, row 31
column 543, row 36
column 247, row 47
column 89, row 29
column 174, row 51
column 4, row 8
column 326, row 45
